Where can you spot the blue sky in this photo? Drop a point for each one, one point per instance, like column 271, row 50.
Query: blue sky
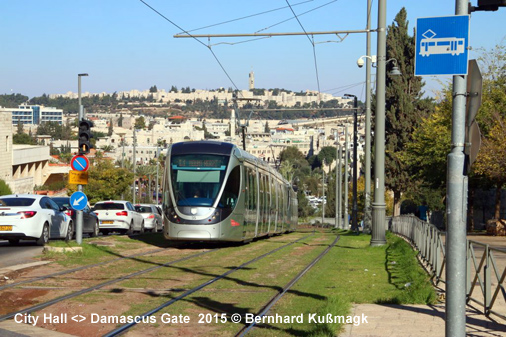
column 124, row 45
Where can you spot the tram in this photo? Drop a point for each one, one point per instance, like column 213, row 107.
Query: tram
column 215, row 191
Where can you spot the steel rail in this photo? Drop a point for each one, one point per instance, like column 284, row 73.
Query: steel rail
column 120, row 330
column 98, row 286
column 63, row 272
column 287, row 287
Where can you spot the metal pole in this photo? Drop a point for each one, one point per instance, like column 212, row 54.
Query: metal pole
column 346, row 222
column 456, row 208
column 157, row 162
column 133, row 190
column 355, row 172
column 323, row 197
column 337, row 184
column 79, row 214
column 367, row 169
column 339, row 195
column 378, row 206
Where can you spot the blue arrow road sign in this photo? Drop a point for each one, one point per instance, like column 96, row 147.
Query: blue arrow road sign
column 78, row 201
column 442, row 45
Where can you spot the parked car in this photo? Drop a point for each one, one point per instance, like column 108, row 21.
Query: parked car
column 90, row 219
column 32, row 217
column 118, row 215
column 152, row 217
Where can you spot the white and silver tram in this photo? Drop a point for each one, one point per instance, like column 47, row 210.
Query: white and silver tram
column 215, row 191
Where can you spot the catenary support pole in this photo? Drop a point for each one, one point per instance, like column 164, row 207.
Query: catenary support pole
column 367, row 164
column 456, row 209
column 346, row 221
column 378, row 206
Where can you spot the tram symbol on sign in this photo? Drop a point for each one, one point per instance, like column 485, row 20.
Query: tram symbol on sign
column 445, row 45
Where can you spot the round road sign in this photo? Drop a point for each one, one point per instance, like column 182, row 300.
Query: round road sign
column 80, row 163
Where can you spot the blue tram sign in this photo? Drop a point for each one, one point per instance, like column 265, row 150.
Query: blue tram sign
column 442, row 45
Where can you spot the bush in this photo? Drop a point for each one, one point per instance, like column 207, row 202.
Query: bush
column 4, row 188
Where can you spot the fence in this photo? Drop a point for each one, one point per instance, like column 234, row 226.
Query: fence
column 486, row 266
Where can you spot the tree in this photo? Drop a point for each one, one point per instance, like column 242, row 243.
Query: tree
column 492, row 160
column 140, row 123
column 105, row 182
column 291, row 153
column 266, row 128
column 327, row 154
column 23, row 139
column 110, row 130
column 153, row 89
column 120, row 120
column 20, row 130
column 404, row 107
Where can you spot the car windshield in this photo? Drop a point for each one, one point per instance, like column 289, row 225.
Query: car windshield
column 16, row 202
column 109, row 205
column 143, row 209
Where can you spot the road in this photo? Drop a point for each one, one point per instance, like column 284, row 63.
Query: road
column 13, row 255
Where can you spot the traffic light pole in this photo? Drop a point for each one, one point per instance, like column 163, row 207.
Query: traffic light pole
column 79, row 214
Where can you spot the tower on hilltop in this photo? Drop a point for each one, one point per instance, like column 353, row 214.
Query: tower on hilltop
column 251, row 80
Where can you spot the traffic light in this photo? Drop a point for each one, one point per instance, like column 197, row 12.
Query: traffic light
column 85, row 136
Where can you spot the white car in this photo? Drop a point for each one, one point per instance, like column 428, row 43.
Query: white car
column 32, row 217
column 118, row 215
column 152, row 216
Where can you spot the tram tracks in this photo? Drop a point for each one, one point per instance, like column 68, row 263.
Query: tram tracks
column 162, row 291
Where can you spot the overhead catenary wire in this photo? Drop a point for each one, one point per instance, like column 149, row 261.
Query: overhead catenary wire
column 245, row 17
column 309, row 11
column 314, row 50
column 207, row 46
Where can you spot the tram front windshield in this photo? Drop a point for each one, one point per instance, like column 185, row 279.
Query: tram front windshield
column 197, row 179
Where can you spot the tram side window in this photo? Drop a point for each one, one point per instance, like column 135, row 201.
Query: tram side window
column 231, row 191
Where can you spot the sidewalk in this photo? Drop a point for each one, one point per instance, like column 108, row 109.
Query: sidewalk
column 416, row 321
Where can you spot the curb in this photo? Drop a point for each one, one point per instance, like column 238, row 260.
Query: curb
column 22, row 266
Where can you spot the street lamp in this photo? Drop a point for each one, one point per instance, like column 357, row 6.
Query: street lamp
column 355, row 173
column 371, row 62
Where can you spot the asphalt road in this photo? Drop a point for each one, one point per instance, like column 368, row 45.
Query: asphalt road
column 22, row 253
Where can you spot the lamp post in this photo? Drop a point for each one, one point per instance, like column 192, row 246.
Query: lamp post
column 354, row 226
column 80, row 117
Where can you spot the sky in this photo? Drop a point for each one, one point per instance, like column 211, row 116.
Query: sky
column 125, row 45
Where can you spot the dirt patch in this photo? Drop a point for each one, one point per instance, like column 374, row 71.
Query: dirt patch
column 14, row 300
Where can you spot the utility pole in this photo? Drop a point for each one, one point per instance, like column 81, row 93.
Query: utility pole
column 133, row 188
column 323, row 188
column 346, row 222
column 80, row 117
column 339, row 173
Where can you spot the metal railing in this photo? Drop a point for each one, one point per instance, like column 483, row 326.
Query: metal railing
column 481, row 269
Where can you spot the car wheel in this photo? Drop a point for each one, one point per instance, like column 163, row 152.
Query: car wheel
column 130, row 230
column 142, row 228
column 70, row 232
column 104, row 232
column 14, row 242
column 96, row 230
column 44, row 237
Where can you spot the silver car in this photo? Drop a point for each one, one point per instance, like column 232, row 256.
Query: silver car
column 152, row 217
